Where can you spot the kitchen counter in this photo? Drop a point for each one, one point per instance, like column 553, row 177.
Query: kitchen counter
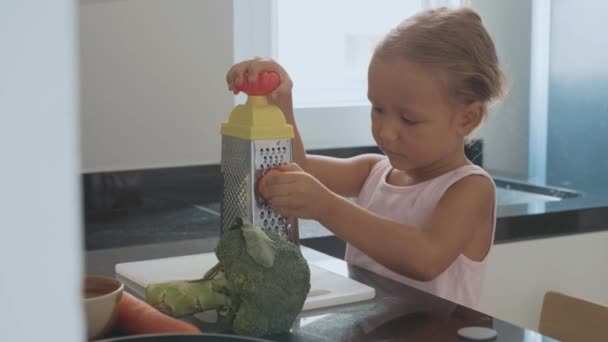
column 161, row 219
column 174, row 204
column 398, row 312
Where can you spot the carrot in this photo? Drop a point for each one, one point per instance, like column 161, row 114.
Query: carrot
column 261, row 185
column 138, row 317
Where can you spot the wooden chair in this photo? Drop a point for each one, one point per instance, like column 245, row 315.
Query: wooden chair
column 567, row 319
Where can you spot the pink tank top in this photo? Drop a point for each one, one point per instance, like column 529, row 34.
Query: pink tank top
column 462, row 281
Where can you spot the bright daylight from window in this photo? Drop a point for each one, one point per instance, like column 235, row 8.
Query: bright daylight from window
column 326, row 46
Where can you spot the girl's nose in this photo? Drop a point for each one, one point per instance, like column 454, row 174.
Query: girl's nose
column 388, row 130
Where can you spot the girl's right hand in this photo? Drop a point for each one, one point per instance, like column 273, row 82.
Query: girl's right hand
column 252, row 68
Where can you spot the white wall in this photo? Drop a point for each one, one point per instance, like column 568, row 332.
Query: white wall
column 153, row 87
column 505, row 133
column 41, row 242
column 520, row 273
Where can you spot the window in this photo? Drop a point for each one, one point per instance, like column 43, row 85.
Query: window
column 326, row 47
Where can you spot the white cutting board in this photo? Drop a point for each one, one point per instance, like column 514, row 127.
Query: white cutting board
column 327, row 288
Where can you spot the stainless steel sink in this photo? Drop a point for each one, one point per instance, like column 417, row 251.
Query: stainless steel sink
column 510, row 192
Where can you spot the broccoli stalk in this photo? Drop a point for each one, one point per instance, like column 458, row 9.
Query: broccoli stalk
column 258, row 287
column 182, row 298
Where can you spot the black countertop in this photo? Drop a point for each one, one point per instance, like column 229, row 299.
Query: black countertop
column 159, row 219
column 130, row 208
column 398, row 312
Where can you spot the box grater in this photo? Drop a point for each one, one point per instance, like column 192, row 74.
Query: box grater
column 255, row 139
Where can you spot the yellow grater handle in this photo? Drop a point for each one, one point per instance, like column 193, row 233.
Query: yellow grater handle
column 258, row 119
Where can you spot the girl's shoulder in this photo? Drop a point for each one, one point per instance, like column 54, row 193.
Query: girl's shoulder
column 465, row 172
column 464, row 180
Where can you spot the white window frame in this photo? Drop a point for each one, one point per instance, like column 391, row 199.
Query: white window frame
column 539, row 90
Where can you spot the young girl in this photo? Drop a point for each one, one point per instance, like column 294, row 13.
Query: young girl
column 424, row 215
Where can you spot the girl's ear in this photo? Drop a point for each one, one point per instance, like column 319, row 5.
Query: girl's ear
column 471, row 118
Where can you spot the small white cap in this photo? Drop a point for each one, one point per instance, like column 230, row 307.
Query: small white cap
column 477, row 333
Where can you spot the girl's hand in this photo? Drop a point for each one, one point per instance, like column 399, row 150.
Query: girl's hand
column 294, row 192
column 252, row 68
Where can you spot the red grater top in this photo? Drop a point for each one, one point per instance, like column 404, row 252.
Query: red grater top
column 265, row 84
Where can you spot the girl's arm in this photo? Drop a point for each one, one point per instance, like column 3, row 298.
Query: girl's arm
column 467, row 208
column 342, row 176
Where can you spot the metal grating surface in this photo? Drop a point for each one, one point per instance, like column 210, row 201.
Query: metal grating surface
column 243, row 164
column 268, row 155
column 236, row 170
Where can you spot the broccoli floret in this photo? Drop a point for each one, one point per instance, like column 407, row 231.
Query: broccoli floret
column 258, row 287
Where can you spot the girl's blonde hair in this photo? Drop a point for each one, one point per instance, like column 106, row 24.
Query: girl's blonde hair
column 454, row 41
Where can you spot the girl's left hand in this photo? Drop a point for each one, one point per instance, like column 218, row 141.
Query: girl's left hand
column 296, row 193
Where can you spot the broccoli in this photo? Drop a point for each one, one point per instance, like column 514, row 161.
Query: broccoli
column 258, row 287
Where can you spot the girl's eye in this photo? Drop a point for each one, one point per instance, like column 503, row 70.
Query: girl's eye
column 407, row 121
column 378, row 110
